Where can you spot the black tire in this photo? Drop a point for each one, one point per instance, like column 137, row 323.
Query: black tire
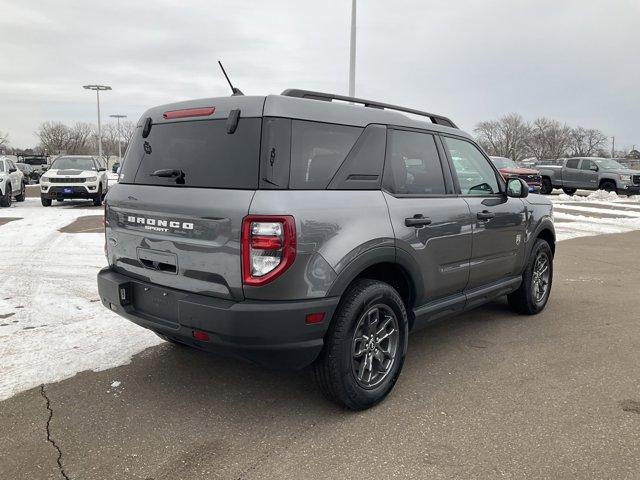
column 5, row 200
column 335, row 370
column 23, row 194
column 526, row 299
column 97, row 200
column 547, row 186
column 569, row 191
column 46, row 202
column 609, row 186
column 60, row 200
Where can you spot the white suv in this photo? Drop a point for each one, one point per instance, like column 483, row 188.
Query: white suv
column 12, row 182
column 74, row 176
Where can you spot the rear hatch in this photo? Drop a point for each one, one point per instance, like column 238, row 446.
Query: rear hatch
column 186, row 183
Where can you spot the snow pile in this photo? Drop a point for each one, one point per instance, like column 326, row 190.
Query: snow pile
column 597, row 196
column 52, row 324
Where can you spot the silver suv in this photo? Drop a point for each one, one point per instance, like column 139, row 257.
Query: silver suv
column 315, row 229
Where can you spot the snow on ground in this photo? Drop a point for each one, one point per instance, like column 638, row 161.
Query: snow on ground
column 595, row 214
column 52, row 324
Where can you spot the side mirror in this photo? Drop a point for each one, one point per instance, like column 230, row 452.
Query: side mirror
column 517, row 188
column 594, row 168
column 12, row 170
column 45, row 168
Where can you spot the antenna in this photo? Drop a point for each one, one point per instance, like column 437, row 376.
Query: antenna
column 234, row 90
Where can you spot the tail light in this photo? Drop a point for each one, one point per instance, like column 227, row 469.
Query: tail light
column 268, row 247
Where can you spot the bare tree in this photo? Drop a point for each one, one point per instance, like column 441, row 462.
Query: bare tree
column 505, row 137
column 4, row 140
column 54, row 137
column 586, row 142
column 81, row 139
column 548, row 139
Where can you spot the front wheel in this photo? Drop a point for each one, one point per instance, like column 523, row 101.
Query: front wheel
column 547, row 186
column 569, row 191
column 23, row 194
column 97, row 200
column 46, row 202
column 365, row 346
column 5, row 200
column 609, row 186
column 532, row 295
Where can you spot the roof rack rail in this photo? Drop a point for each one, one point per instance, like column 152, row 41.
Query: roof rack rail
column 328, row 97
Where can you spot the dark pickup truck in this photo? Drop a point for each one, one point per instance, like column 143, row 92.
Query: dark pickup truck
column 590, row 173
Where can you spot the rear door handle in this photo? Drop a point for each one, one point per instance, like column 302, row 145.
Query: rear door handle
column 485, row 215
column 417, row 221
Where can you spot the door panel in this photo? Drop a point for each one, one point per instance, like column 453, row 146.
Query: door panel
column 498, row 241
column 571, row 173
column 588, row 178
column 442, row 248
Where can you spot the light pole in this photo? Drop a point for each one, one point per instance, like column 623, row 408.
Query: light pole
column 119, row 135
column 352, row 52
column 98, row 88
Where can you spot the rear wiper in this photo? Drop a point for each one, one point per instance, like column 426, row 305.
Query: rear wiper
column 169, row 173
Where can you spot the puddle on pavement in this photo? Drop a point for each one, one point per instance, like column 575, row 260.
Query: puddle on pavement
column 632, row 406
column 85, row 224
column 4, row 221
column 7, row 315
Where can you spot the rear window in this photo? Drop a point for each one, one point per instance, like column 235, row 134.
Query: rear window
column 317, row 151
column 201, row 153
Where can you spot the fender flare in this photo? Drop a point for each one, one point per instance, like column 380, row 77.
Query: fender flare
column 545, row 223
column 375, row 256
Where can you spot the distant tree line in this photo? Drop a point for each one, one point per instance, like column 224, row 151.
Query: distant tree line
column 82, row 138
column 512, row 137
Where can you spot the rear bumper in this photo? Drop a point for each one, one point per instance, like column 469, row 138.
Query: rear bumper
column 272, row 334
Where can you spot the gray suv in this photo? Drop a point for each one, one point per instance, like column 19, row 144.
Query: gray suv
column 315, row 229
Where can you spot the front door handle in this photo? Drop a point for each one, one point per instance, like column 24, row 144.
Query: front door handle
column 485, row 215
column 417, row 221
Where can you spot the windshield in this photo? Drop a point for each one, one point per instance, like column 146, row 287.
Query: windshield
column 608, row 163
column 73, row 163
column 502, row 162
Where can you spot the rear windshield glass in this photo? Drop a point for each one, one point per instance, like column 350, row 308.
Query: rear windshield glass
column 195, row 154
column 35, row 161
column 317, row 151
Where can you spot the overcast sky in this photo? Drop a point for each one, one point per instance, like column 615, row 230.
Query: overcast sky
column 575, row 61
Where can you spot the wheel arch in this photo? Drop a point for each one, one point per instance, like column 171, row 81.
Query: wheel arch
column 383, row 264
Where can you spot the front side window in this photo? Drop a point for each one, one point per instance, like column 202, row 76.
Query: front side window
column 572, row 163
column 317, row 151
column 475, row 174
column 413, row 165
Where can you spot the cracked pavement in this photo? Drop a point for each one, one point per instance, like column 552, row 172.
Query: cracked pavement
column 485, row 395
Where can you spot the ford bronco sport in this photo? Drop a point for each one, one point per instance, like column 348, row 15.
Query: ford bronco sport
column 304, row 229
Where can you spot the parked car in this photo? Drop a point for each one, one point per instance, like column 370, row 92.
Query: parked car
column 12, row 183
column 115, row 167
column 39, row 163
column 74, row 176
column 590, row 173
column 295, row 230
column 31, row 175
column 509, row 168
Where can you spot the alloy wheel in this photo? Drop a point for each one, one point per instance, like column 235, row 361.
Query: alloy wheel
column 541, row 276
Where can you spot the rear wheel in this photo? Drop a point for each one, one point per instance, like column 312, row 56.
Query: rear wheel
column 46, row 202
column 364, row 347
column 5, row 200
column 569, row 191
column 23, row 193
column 533, row 293
column 608, row 186
column 546, row 187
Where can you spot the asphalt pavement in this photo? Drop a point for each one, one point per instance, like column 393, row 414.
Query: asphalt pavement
column 487, row 394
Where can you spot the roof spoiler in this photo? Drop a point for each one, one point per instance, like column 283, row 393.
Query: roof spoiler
column 328, row 97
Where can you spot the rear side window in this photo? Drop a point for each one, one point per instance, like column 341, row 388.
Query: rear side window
column 195, row 154
column 317, row 151
column 413, row 165
column 573, row 163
